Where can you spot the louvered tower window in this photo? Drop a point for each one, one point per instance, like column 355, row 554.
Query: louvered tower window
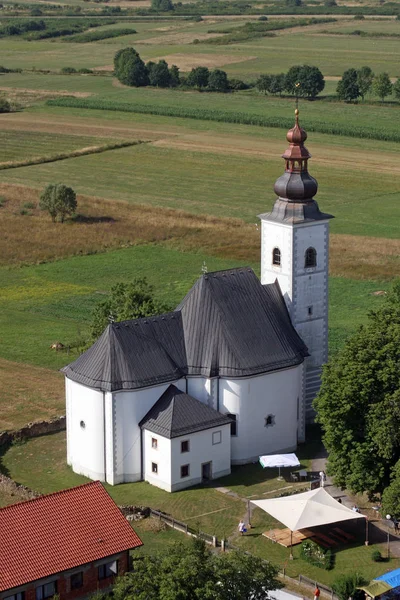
column 276, row 257
column 310, row 258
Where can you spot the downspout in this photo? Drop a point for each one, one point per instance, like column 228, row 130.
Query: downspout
column 218, row 393
column 186, row 384
column 141, row 454
column 104, row 437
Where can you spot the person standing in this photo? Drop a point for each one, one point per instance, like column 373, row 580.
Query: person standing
column 317, row 592
column 241, row 527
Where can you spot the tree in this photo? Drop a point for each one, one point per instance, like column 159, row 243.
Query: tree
column 263, row 83
column 174, row 77
column 396, row 89
column 277, row 84
column 159, row 74
column 4, row 106
column 218, row 81
column 130, row 69
column 358, row 404
column 304, row 81
column 59, row 200
column 126, row 301
column 365, row 77
column 162, row 5
column 348, row 88
column 198, row 77
column 344, row 586
column 192, row 572
column 391, row 495
column 382, row 86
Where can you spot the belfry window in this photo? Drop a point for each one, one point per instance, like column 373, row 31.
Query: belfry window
column 276, row 257
column 310, row 258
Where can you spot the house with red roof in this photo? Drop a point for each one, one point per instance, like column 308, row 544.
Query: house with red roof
column 69, row 543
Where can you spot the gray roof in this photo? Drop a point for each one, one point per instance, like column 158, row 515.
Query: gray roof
column 285, row 211
column 176, row 414
column 236, row 327
column 133, row 354
column 228, row 325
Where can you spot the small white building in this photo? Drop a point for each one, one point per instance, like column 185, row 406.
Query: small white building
column 237, row 356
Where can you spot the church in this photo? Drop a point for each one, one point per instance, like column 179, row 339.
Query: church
column 229, row 375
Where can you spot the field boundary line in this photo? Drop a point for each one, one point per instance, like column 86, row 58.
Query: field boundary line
column 38, row 160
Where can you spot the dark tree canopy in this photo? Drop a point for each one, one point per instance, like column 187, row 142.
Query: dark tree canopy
column 277, row 83
column 126, row 301
column 304, row 81
column 174, row 77
column 198, row 77
column 162, row 5
column 358, row 405
column 192, row 572
column 348, row 88
column 365, row 78
column 130, row 69
column 263, row 83
column 218, row 81
column 159, row 74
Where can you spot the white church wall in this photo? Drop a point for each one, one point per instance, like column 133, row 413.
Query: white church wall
column 85, row 430
column 208, row 446
column 252, row 400
column 277, row 235
column 130, row 408
column 159, row 454
column 203, row 389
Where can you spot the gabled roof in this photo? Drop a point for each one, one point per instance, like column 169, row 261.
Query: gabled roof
column 53, row 533
column 228, row 325
column 133, row 354
column 236, row 327
column 176, row 414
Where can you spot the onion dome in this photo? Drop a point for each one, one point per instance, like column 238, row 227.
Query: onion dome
column 296, row 185
column 295, row 188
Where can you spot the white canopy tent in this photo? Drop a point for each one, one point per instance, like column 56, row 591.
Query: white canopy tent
column 279, row 460
column 309, row 509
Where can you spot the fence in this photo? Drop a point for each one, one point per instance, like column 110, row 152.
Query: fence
column 224, row 544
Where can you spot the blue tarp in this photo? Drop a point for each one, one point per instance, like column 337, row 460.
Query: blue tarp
column 392, row 578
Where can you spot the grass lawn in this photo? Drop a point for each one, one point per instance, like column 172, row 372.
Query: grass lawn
column 196, row 176
column 40, row 463
column 41, row 304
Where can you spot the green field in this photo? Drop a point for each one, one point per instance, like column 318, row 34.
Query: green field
column 246, row 59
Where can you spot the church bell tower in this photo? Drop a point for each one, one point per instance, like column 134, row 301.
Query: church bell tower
column 294, row 250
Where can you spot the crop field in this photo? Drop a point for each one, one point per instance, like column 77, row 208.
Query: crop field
column 246, row 60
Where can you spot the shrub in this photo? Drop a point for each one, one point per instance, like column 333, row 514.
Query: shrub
column 29, row 205
column 24, row 212
column 312, row 553
column 344, row 586
column 263, row 18
column 85, row 71
column 5, row 106
column 2, row 201
column 68, row 70
column 376, row 556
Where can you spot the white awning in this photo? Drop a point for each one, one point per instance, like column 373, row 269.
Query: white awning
column 310, row 509
column 279, row 460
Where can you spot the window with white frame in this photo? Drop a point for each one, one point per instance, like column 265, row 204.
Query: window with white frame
column 185, row 446
column 216, row 437
column 185, row 471
column 107, row 569
column 154, row 443
column 276, row 257
column 154, row 468
column 48, row 590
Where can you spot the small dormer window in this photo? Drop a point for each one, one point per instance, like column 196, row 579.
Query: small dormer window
column 310, row 258
column 276, row 257
column 269, row 420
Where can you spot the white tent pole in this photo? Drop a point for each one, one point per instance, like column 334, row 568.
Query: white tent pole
column 291, row 545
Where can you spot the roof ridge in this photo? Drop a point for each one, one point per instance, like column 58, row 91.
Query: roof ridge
column 57, row 493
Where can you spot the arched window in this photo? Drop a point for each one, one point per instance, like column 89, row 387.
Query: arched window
column 276, row 256
column 310, row 258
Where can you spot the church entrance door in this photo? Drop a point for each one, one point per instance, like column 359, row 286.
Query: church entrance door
column 206, row 472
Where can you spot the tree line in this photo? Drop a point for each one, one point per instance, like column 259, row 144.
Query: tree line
column 303, row 81
column 357, row 83
column 131, row 70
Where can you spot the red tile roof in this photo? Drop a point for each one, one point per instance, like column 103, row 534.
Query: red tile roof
column 60, row 531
